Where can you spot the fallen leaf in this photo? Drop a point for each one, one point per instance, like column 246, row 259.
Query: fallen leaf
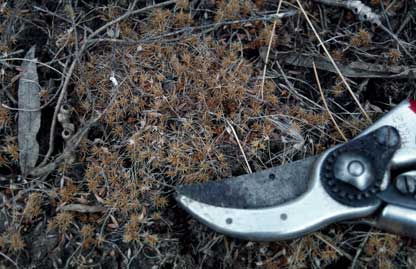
column 82, row 208
column 29, row 113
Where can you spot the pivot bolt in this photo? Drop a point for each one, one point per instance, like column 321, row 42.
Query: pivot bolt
column 356, row 168
column 406, row 184
column 388, row 136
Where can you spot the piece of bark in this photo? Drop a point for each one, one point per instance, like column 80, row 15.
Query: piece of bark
column 29, row 113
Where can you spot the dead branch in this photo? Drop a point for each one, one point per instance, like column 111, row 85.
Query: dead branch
column 353, row 69
column 364, row 13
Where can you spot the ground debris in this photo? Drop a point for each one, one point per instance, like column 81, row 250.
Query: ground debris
column 140, row 97
column 43, row 243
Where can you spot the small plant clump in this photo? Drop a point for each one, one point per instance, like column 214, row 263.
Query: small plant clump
column 362, row 39
column 178, row 92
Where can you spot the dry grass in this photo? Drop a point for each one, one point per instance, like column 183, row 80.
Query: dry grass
column 153, row 95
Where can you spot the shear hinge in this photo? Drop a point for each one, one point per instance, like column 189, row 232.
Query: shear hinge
column 354, row 173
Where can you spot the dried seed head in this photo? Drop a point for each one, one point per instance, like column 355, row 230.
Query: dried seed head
column 16, row 242
column 33, row 206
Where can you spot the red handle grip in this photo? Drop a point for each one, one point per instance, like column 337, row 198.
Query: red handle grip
column 412, row 105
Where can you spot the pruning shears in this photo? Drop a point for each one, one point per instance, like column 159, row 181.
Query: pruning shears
column 371, row 175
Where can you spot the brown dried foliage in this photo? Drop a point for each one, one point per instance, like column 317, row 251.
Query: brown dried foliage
column 183, row 76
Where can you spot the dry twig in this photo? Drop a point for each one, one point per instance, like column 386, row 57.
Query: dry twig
column 239, row 145
column 9, row 259
column 356, row 69
column 363, row 12
column 268, row 50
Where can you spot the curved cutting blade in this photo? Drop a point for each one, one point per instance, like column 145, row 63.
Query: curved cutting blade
column 262, row 189
column 248, row 220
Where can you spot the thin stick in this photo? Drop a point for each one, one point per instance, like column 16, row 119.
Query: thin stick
column 338, row 250
column 325, row 103
column 9, row 259
column 360, row 249
column 241, row 148
column 333, row 62
column 268, row 51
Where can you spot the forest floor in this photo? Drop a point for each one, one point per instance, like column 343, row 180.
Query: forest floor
column 124, row 100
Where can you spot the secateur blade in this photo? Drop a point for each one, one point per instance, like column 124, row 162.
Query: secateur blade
column 288, row 219
column 261, row 189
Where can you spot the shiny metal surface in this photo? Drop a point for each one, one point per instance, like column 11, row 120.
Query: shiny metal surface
column 402, row 191
column 355, row 170
column 403, row 118
column 398, row 220
column 265, row 188
column 265, row 218
column 406, row 183
column 309, row 212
